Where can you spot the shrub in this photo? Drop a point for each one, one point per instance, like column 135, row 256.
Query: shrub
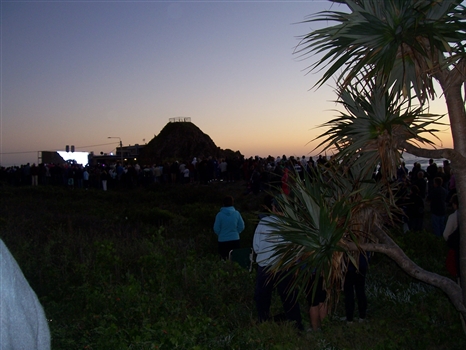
column 155, row 281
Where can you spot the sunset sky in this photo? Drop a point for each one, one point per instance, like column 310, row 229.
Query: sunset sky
column 77, row 72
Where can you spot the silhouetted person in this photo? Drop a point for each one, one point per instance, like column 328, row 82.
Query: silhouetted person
column 415, row 210
column 438, row 207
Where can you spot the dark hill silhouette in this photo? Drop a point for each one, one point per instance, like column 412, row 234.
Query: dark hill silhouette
column 181, row 141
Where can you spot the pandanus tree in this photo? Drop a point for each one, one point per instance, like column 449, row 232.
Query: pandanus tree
column 385, row 56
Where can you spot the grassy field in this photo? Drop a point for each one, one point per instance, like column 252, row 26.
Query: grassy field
column 138, row 269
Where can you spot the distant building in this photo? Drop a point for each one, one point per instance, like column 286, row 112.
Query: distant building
column 49, row 157
column 127, row 154
column 180, row 120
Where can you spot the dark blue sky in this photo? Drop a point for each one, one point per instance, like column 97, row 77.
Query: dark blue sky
column 76, row 72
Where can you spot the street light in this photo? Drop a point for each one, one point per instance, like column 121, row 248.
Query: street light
column 121, row 147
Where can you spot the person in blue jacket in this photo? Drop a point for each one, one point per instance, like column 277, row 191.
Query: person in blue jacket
column 228, row 226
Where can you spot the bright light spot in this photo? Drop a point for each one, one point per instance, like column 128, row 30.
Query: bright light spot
column 79, row 157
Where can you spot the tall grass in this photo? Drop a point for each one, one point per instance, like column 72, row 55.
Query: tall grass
column 139, row 270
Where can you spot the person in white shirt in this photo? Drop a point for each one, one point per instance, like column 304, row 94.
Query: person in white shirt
column 452, row 222
column 264, row 243
column 23, row 325
column 223, row 169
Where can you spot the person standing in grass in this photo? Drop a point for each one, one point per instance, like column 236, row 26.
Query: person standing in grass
column 104, row 179
column 318, row 308
column 355, row 281
column 228, row 226
column 452, row 221
column 415, row 210
column 451, row 235
column 86, row 178
column 438, row 207
column 264, row 244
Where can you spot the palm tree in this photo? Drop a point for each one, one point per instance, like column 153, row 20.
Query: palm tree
column 343, row 210
column 326, row 218
column 384, row 52
column 376, row 125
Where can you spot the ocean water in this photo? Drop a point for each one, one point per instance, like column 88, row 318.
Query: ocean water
column 410, row 159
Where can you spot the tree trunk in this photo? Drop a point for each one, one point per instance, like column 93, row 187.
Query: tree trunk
column 451, row 84
column 393, row 251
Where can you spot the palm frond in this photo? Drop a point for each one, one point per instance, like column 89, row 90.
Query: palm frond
column 320, row 217
column 405, row 42
column 376, row 124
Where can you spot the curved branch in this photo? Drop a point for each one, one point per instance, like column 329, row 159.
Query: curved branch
column 447, row 153
column 393, row 251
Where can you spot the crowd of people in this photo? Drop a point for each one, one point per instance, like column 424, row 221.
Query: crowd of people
column 434, row 187
column 258, row 172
